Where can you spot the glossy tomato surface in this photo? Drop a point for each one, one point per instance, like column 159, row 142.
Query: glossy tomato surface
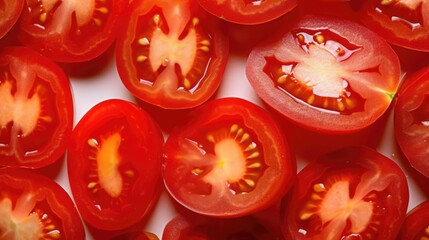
column 228, row 159
column 33, row 206
column 114, row 164
column 327, row 74
column 403, row 23
column 172, row 54
column 416, row 224
column 36, row 109
column 248, row 11
column 9, row 12
column 351, row 193
column 69, row 30
column 411, row 120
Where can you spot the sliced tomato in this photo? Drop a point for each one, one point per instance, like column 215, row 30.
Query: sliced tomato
column 416, row 225
column 326, row 74
column 137, row 236
column 9, row 12
column 411, row 120
column 352, row 193
column 36, row 110
column 401, row 22
column 229, row 159
column 172, row 54
column 248, row 11
column 69, row 30
column 35, row 207
column 114, row 164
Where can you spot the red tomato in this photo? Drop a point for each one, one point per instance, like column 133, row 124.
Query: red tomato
column 248, row 11
column 36, row 113
column 69, row 30
column 114, row 164
column 327, row 74
column 352, row 193
column 172, row 53
column 35, row 207
column 137, row 236
column 416, row 224
column 229, row 159
column 411, row 120
column 403, row 23
column 9, row 12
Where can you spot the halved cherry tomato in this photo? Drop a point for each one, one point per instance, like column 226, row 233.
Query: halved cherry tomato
column 411, row 120
column 172, row 54
column 114, row 164
column 36, row 109
column 70, row 30
column 230, row 159
column 327, row 74
column 416, row 225
column 9, row 12
column 351, row 193
column 401, row 22
column 33, row 206
column 248, row 11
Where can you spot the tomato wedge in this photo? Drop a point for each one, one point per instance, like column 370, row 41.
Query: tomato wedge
column 172, row 54
column 352, row 193
column 416, row 224
column 33, row 206
column 36, row 109
column 9, row 12
column 230, row 159
column 70, row 30
column 326, row 74
column 114, row 165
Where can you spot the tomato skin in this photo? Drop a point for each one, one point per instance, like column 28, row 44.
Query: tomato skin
column 159, row 74
column 10, row 12
column 57, row 32
column 242, row 12
column 290, row 73
column 410, row 114
column 373, row 179
column 416, row 223
column 114, row 165
column 37, row 99
column 48, row 197
column 198, row 170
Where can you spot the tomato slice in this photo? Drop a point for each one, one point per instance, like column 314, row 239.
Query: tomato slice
column 248, row 11
column 401, row 22
column 114, row 164
column 352, row 193
column 172, row 54
column 9, row 12
column 33, row 206
column 411, row 120
column 326, row 74
column 228, row 160
column 69, row 30
column 36, row 113
column 136, row 236
column 416, row 225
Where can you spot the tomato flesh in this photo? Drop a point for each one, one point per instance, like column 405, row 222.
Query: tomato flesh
column 416, row 225
column 10, row 12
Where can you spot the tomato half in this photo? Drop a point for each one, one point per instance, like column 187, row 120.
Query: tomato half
column 248, row 11
column 69, row 30
column 9, row 12
column 229, row 159
column 411, row 120
column 401, row 22
column 33, row 206
column 326, row 74
column 416, row 225
column 352, row 193
column 172, row 54
column 114, row 164
column 36, row 110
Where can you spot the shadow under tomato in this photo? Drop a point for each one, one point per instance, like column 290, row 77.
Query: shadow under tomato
column 411, row 60
column 53, row 170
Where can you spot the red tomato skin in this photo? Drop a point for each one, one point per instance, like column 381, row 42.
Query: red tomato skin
column 139, row 165
column 34, row 63
column 416, row 222
column 222, row 112
column 64, row 45
column 14, row 180
column 10, row 13
column 409, row 128
column 345, row 161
